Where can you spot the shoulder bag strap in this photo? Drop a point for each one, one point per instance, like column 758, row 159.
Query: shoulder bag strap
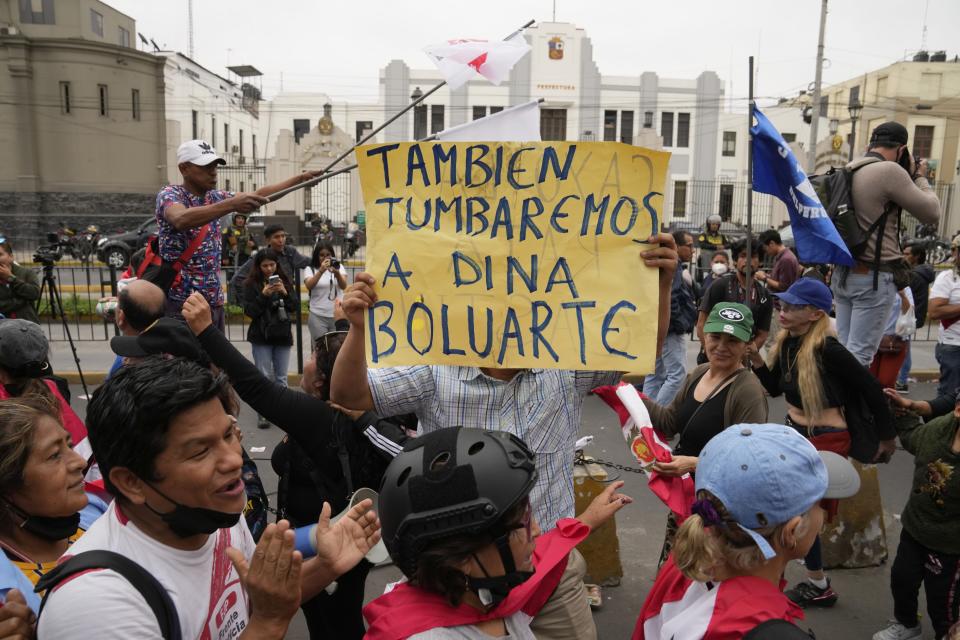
column 717, row 389
column 191, row 248
column 142, row 580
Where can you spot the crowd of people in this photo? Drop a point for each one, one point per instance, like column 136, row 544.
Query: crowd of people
column 147, row 518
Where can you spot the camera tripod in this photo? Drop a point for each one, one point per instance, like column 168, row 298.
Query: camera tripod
column 49, row 284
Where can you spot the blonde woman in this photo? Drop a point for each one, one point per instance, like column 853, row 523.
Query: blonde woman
column 831, row 399
column 758, row 492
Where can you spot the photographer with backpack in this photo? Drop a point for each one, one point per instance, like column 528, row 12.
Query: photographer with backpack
column 882, row 184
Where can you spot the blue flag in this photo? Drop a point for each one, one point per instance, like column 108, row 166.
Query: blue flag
column 777, row 172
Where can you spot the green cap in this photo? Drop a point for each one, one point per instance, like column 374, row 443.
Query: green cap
column 730, row 317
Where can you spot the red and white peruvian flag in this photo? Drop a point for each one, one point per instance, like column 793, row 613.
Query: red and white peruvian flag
column 648, row 448
column 461, row 60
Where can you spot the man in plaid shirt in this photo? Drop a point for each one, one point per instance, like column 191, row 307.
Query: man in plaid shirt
column 543, row 407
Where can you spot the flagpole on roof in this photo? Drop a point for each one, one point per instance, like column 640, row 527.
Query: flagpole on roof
column 749, row 273
column 309, row 183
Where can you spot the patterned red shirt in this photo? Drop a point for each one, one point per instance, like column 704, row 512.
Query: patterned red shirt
column 202, row 271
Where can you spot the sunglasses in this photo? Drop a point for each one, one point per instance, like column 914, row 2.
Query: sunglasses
column 791, row 308
column 334, row 338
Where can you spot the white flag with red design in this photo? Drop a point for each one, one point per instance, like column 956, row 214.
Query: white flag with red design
column 461, row 60
column 648, row 448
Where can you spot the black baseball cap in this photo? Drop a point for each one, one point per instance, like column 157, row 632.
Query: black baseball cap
column 23, row 348
column 890, row 133
column 166, row 335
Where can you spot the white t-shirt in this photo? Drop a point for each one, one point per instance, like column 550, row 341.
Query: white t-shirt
column 325, row 292
column 203, row 585
column 947, row 285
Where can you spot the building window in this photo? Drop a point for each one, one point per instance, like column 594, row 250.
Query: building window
column 626, row 127
column 729, row 144
column 242, row 185
column 553, row 124
column 666, row 128
column 241, row 148
column 789, row 137
column 29, row 13
column 648, row 119
column 824, row 106
column 683, row 129
column 124, row 37
column 301, row 127
column 135, row 107
column 420, row 121
column 213, row 130
column 253, row 143
column 726, row 201
column 226, row 137
column 479, row 112
column 922, row 141
column 882, row 87
column 104, row 102
column 64, row 97
column 96, row 23
column 226, row 184
column 494, row 110
column 194, row 124
column 609, row 126
column 363, row 126
column 854, row 95
column 680, row 199
column 436, row 118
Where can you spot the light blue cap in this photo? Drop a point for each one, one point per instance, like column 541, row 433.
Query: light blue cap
column 766, row 474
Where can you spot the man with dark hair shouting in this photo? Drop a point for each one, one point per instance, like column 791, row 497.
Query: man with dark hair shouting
column 169, row 449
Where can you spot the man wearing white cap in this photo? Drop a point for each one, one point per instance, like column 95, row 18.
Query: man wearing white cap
column 188, row 216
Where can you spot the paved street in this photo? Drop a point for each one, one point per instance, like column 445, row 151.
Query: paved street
column 864, row 594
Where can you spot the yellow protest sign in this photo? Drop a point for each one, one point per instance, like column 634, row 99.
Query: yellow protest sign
column 512, row 255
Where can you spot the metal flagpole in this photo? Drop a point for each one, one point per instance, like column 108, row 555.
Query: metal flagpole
column 749, row 186
column 309, row 183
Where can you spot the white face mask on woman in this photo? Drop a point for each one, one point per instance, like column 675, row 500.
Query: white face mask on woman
column 718, row 268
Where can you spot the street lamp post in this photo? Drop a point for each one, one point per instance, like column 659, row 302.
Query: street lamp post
column 854, row 109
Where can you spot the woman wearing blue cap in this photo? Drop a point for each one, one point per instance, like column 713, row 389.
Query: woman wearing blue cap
column 758, row 492
column 830, row 398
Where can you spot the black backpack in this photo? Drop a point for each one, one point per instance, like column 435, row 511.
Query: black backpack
column 142, row 580
column 835, row 190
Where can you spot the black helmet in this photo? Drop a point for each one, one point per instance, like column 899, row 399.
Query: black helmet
column 451, row 482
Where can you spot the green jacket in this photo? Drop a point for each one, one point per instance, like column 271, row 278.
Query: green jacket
column 18, row 297
column 932, row 514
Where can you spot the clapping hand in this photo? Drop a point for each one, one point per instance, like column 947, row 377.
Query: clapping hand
column 342, row 545
column 16, row 618
column 271, row 580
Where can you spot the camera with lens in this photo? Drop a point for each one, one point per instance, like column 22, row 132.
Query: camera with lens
column 48, row 254
column 334, row 263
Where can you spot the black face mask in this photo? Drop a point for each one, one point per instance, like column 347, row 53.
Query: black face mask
column 494, row 590
column 49, row 528
column 187, row 521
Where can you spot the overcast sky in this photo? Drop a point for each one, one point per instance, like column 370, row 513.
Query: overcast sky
column 338, row 47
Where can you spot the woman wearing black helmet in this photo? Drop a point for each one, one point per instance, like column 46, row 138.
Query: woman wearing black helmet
column 457, row 521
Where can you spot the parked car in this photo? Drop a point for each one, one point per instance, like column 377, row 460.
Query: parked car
column 115, row 250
